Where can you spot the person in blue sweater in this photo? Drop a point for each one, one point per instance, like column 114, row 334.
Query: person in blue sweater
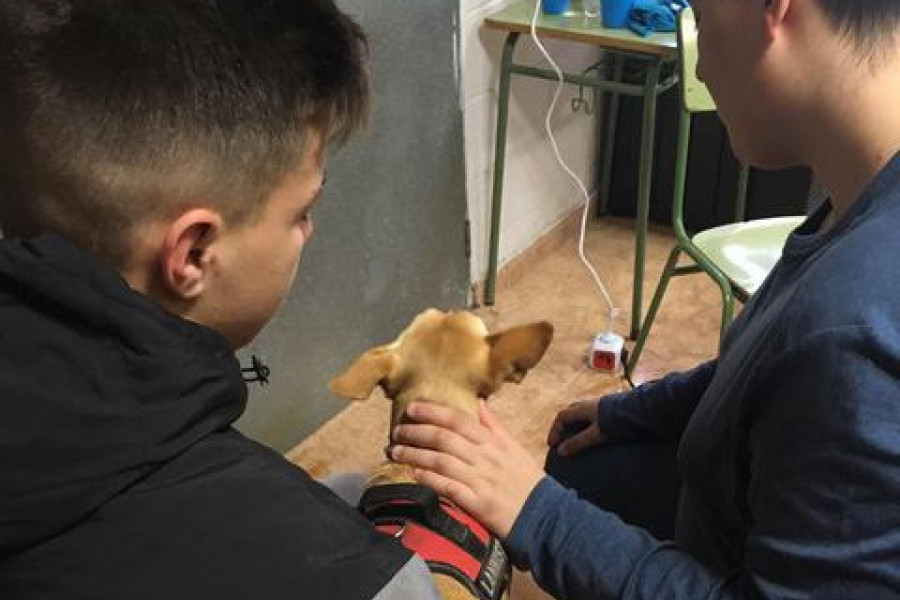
column 788, row 444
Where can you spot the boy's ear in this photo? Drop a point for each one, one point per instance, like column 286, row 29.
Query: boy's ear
column 185, row 254
column 358, row 381
column 776, row 14
column 516, row 350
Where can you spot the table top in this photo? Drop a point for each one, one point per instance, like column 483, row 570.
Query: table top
column 574, row 26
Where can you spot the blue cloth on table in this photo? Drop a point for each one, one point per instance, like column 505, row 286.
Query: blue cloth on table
column 649, row 16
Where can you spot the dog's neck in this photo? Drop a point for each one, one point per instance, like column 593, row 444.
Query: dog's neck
column 393, row 472
column 390, row 472
column 464, row 401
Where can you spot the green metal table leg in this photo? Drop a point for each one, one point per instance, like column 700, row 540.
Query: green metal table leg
column 611, row 113
column 648, row 128
column 490, row 283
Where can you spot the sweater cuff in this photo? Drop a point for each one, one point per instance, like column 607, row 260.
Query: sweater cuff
column 609, row 410
column 528, row 525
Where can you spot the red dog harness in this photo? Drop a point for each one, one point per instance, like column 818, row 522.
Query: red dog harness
column 448, row 539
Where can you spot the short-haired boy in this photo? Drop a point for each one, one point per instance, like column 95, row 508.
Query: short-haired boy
column 159, row 162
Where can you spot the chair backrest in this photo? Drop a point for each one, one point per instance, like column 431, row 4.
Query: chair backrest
column 695, row 98
column 694, row 95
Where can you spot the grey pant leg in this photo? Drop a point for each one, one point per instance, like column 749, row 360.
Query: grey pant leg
column 348, row 486
column 414, row 580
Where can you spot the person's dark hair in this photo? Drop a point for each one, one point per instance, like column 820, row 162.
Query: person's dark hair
column 114, row 112
column 867, row 23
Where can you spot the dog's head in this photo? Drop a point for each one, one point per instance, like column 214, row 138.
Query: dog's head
column 445, row 358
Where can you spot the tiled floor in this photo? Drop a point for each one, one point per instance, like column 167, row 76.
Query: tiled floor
column 552, row 284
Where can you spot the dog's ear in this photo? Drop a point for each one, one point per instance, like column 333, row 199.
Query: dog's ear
column 516, row 350
column 358, row 381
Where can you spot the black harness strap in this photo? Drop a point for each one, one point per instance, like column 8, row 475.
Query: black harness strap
column 422, row 505
column 410, row 509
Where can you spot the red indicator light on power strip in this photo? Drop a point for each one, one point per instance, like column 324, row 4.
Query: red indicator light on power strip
column 606, row 352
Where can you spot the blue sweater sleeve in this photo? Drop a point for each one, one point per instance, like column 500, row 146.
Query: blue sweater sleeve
column 823, row 445
column 577, row 551
column 655, row 411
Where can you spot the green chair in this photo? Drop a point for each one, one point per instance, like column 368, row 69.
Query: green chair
column 737, row 256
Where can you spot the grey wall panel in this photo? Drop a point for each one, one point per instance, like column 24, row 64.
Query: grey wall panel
column 390, row 230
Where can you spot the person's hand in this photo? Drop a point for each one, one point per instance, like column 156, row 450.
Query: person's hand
column 473, row 463
column 576, row 428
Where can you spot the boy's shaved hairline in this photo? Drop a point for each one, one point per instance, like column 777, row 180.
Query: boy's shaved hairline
column 218, row 118
column 871, row 26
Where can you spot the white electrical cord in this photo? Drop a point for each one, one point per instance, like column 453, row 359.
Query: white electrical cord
column 612, row 311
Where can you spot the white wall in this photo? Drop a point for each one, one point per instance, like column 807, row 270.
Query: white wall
column 537, row 193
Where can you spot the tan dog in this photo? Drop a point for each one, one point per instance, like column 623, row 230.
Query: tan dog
column 444, row 358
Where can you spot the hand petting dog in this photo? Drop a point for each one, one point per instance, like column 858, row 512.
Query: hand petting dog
column 474, row 463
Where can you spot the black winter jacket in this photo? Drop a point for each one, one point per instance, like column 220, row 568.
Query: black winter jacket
column 120, row 474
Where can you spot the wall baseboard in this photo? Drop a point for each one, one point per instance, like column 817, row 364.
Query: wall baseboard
column 518, row 267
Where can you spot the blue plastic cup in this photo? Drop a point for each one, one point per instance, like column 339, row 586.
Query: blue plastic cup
column 616, row 12
column 554, row 7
